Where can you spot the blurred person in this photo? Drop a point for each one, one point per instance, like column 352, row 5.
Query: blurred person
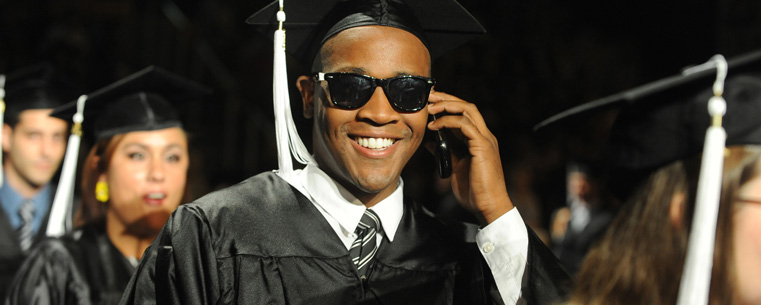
column 33, row 147
column 588, row 216
column 655, row 147
column 340, row 230
column 132, row 180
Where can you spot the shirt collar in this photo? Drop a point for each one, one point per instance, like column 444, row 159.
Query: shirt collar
column 347, row 209
column 9, row 196
column 12, row 200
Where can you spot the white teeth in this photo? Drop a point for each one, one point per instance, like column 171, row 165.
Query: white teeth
column 374, row 143
column 156, row 196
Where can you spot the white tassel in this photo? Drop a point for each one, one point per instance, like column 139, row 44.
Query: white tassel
column 288, row 140
column 2, row 115
column 60, row 220
column 696, row 277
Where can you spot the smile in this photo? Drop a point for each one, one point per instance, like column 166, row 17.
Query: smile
column 374, row 143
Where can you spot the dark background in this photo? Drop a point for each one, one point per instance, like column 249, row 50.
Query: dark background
column 538, row 58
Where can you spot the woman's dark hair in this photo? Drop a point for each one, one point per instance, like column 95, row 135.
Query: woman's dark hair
column 91, row 211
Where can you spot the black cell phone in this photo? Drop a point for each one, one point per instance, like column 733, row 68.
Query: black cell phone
column 441, row 152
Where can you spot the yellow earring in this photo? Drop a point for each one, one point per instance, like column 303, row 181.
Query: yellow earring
column 101, row 191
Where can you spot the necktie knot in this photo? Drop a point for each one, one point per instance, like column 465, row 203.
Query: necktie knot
column 364, row 247
column 368, row 222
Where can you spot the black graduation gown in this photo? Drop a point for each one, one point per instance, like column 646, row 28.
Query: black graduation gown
column 263, row 242
column 81, row 268
column 11, row 255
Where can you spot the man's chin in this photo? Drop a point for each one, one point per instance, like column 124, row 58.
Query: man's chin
column 374, row 184
column 38, row 180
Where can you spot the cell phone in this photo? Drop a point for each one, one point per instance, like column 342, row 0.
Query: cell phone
column 441, row 152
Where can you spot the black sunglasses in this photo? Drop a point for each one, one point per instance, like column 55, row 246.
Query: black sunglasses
column 407, row 93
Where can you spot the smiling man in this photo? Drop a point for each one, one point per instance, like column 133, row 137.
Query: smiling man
column 340, row 231
column 33, row 147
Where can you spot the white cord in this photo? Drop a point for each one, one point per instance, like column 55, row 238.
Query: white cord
column 59, row 221
column 696, row 277
column 289, row 144
column 2, row 115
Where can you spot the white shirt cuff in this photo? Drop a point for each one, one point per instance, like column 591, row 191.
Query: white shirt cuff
column 504, row 245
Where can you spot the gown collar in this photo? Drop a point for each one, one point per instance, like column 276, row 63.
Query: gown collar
column 344, row 207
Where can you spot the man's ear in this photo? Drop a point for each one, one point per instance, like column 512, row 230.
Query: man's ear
column 676, row 210
column 7, row 132
column 306, row 88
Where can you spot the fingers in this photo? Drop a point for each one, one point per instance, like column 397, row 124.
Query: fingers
column 465, row 116
column 478, row 141
column 443, row 102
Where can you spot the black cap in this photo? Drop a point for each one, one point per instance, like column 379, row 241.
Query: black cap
column 442, row 25
column 36, row 87
column 666, row 120
column 143, row 101
column 688, row 81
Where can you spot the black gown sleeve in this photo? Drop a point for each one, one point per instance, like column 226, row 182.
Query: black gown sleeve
column 49, row 276
column 545, row 281
column 180, row 265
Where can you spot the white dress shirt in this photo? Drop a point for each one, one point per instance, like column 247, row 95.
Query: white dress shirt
column 503, row 243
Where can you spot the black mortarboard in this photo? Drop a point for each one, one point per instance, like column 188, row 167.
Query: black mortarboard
column 142, row 101
column 35, row 87
column 442, row 25
column 666, row 120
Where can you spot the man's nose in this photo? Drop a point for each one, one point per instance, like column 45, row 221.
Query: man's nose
column 378, row 109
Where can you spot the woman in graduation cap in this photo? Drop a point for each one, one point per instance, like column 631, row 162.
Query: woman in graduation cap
column 656, row 146
column 132, row 180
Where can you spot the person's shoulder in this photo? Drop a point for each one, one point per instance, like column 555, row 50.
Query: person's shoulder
column 254, row 197
column 56, row 250
column 257, row 189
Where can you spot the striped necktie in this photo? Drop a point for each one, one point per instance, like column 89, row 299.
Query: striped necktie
column 364, row 247
column 24, row 232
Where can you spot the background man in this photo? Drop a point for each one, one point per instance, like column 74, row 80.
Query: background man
column 33, row 147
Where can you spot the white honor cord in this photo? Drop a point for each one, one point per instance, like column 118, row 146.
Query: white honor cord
column 696, row 277
column 2, row 115
column 289, row 144
column 60, row 220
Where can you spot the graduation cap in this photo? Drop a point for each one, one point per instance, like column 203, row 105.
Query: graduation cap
column 704, row 109
column 143, row 101
column 36, row 87
column 440, row 24
column 666, row 120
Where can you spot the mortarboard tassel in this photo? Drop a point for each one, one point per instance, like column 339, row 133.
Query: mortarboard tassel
column 288, row 140
column 2, row 115
column 60, row 221
column 696, row 277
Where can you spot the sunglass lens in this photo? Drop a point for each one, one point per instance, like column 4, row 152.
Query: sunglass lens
column 350, row 91
column 408, row 94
